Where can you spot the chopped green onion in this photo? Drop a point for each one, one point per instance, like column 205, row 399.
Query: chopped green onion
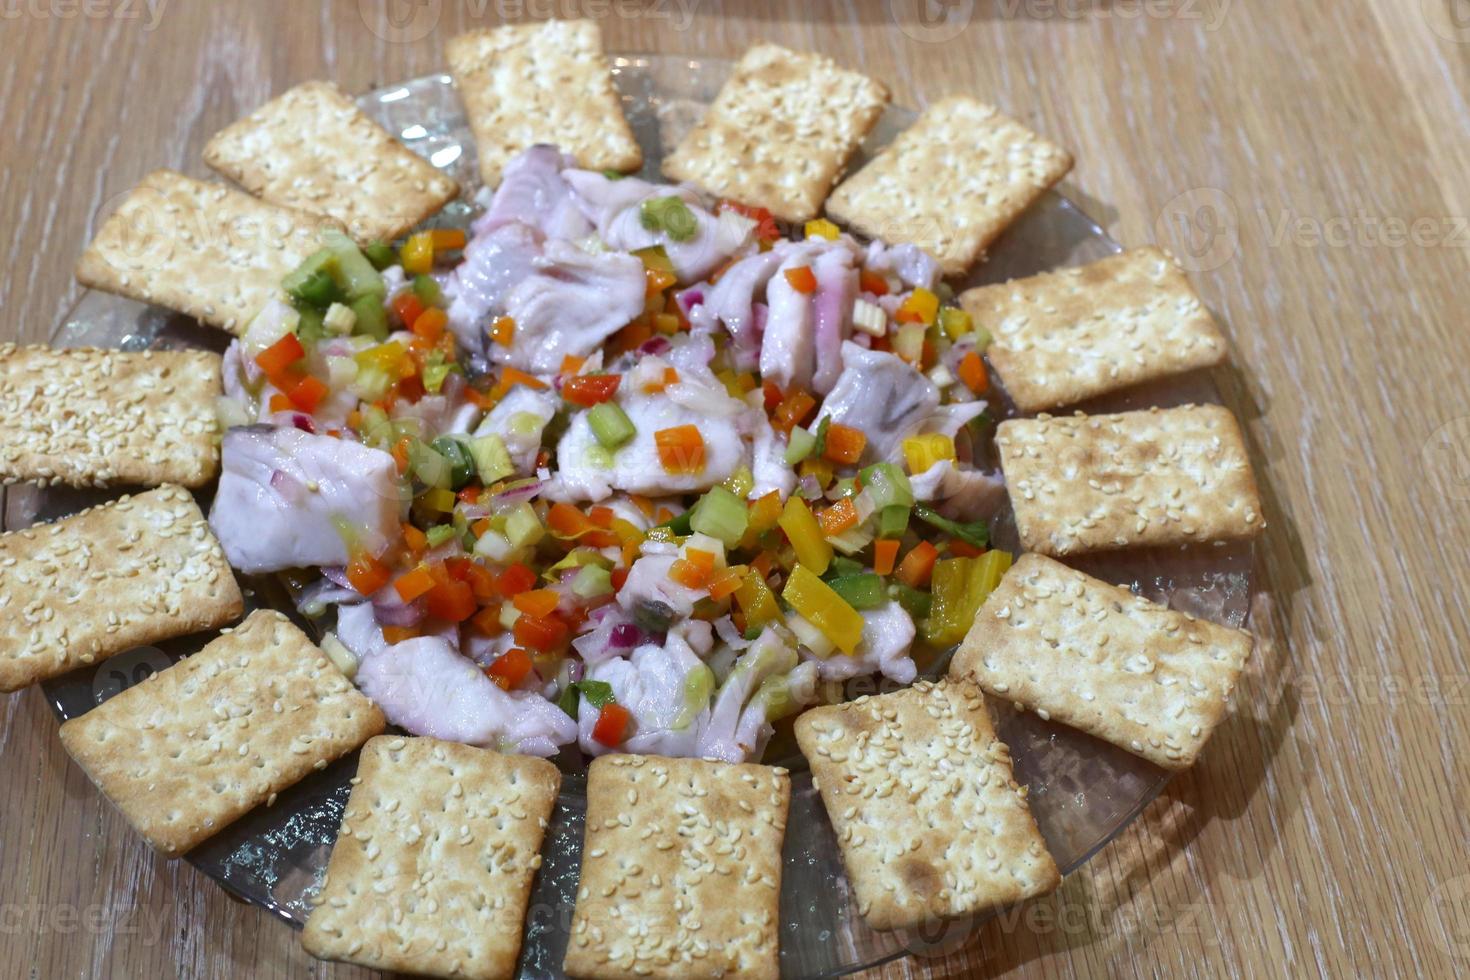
column 669, row 215
column 800, row 447
column 461, row 464
column 610, row 424
column 492, row 461
column 893, row 521
column 597, row 693
column 862, row 591
column 380, row 254
column 720, row 514
column 439, row 534
column 975, row 533
column 887, row 486
column 427, row 289
column 592, row 581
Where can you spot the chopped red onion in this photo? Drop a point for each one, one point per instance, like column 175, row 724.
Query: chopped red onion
column 624, row 636
column 655, row 346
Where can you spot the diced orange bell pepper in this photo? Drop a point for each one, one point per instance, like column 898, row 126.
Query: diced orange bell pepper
column 280, row 403
column 367, row 574
column 793, row 410
column 447, row 238
column 612, row 724
column 918, row 565
column 414, row 583
column 307, row 392
column 590, row 389
column 802, row 279
column 885, row 553
column 725, row 583
column 539, row 633
column 841, row 516
column 487, row 621
column 844, row 443
column 397, row 634
column 276, row 358
column 516, row 579
column 537, row 602
column 451, row 600
column 415, row 540
column 408, row 306
column 566, row 521
column 680, row 449
column 503, row 330
column 571, row 364
column 872, row 282
column 430, row 324
column 973, row 374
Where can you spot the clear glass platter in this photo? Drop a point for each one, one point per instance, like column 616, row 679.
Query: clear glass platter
column 1083, row 791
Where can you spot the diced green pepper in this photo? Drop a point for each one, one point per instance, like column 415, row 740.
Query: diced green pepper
column 439, row 534
column 862, row 591
column 427, row 290
column 380, row 254
column 842, row 565
column 312, row 325
column 893, row 521
column 355, row 274
column 428, row 465
column 316, row 273
column 914, row 601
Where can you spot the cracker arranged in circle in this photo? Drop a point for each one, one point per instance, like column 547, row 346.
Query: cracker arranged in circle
column 951, row 182
column 780, row 131
column 928, row 815
column 1165, row 476
column 1064, row 336
column 195, row 747
column 681, row 869
column 133, row 571
column 1099, row 658
column 547, row 82
column 433, row 864
column 313, row 149
column 88, row 417
column 203, row 249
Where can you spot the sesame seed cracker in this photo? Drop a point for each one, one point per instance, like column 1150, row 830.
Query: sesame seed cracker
column 88, row 417
column 681, row 870
column 455, row 832
column 1099, row 658
column 193, row 748
column 136, row 570
column 1165, row 476
column 928, row 815
column 313, row 149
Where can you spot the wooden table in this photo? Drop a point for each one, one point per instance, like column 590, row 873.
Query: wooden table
column 1307, row 160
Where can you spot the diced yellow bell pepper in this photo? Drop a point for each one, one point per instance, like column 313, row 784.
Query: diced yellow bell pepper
column 823, row 608
column 417, row 254
column 819, row 467
column 922, row 452
column 921, row 304
column 757, row 601
column 960, row 587
column 955, row 321
column 821, row 228
column 805, row 534
column 440, row 500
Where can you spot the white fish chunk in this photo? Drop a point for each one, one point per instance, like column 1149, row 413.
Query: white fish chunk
column 837, row 286
column 494, row 261
column 424, row 686
column 666, row 688
column 533, row 190
column 519, row 419
column 788, row 347
column 283, row 492
column 882, row 395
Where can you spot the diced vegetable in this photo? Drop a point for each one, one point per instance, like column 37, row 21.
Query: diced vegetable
column 887, row 486
column 955, row 322
column 461, row 463
column 805, row 535
column 922, row 452
column 972, row 373
column 862, row 591
column 918, row 565
column 680, row 449
column 339, row 320
column 541, row 634
column 765, row 511
column 873, row 282
column 914, row 601
column 413, row 583
column 721, row 515
column 976, row 533
column 427, row 290
column 354, row 273
column 380, row 254
column 430, row 324
column 492, row 459
column 792, row 410
column 537, row 602
column 823, row 608
column 510, row 668
column 611, row 425
column 740, row 482
column 757, row 601
column 276, row 358
column 885, row 553
column 669, row 215
column 920, row 306
column 869, row 318
column 908, row 342
column 821, row 228
column 802, row 279
column 592, row 581
column 611, row 728
column 961, row 585
column 371, row 317
column 439, row 534
column 844, row 444
column 314, row 281
column 590, row 389
column 840, row 517
column 800, row 446
column 448, row 239
column 812, row 638
column 503, row 330
column 417, row 254
column 699, row 684
column 367, row 574
column 428, row 465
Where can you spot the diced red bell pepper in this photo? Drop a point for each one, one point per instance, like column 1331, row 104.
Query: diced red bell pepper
column 451, row 600
column 539, row 633
column 515, row 580
column 510, row 668
column 367, row 574
column 307, row 392
column 408, row 306
column 612, row 724
column 590, row 389
column 276, row 358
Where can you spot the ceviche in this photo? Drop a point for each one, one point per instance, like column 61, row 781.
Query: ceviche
column 622, row 468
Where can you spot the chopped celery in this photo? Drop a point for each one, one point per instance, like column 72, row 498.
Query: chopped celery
column 720, row 514
column 975, row 533
column 311, row 327
column 591, row 581
column 610, row 424
column 427, row 289
column 862, row 591
column 887, row 486
column 823, row 608
column 853, row 540
column 428, row 465
column 439, row 534
column 522, row 527
column 492, row 461
column 800, row 446
column 805, row 535
column 461, row 464
column 914, row 601
column 372, row 318
column 380, row 254
column 355, row 274
column 893, row 521
column 314, row 281
column 339, row 320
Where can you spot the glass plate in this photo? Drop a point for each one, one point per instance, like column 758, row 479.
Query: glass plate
column 1083, row 791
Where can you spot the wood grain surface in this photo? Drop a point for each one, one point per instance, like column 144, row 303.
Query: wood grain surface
column 1306, row 160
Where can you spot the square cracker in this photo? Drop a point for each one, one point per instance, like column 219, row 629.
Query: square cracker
column 1164, row 476
column 1064, row 336
column 88, row 417
column 1101, row 659
column 195, row 747
column 780, row 131
column 928, row 815
column 202, row 249
column 524, row 84
column 433, row 863
column 313, row 149
column 133, row 571
column 951, row 182
column 681, row 870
